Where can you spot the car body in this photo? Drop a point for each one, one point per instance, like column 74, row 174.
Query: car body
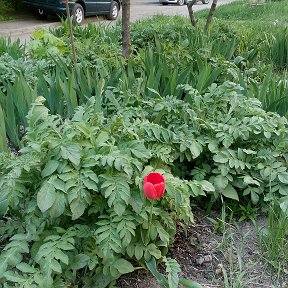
column 179, row 2
column 78, row 8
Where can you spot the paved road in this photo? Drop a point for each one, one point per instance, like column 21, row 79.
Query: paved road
column 140, row 9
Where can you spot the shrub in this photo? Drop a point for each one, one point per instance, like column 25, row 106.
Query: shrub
column 88, row 213
column 76, row 187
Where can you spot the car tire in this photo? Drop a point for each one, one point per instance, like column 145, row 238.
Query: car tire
column 164, row 3
column 205, row 1
column 114, row 11
column 78, row 14
column 181, row 2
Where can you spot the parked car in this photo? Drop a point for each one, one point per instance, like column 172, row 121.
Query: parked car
column 78, row 8
column 180, row 2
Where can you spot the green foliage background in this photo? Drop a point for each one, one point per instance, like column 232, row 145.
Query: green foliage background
column 185, row 105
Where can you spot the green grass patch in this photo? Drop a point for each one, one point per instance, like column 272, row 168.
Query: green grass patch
column 274, row 12
column 273, row 240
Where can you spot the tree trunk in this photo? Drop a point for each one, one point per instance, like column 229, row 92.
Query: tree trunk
column 191, row 14
column 210, row 15
column 126, row 41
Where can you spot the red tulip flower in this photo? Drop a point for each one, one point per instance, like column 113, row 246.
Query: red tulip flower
column 154, row 185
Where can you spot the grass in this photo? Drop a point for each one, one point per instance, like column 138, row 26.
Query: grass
column 266, row 27
column 274, row 241
column 268, row 255
column 246, row 18
column 275, row 12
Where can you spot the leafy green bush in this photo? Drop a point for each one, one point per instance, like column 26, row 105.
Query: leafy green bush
column 76, row 187
column 88, row 212
column 45, row 45
column 11, row 69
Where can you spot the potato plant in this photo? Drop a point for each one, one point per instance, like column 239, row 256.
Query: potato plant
column 73, row 207
column 76, row 192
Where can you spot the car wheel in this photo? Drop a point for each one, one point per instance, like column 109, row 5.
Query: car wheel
column 78, row 13
column 181, row 2
column 114, row 11
column 205, row 1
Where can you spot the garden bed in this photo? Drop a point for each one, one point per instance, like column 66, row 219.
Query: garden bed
column 207, row 256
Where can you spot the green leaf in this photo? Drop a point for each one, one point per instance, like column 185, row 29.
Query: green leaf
column 50, row 167
column 60, row 255
column 3, row 266
column 14, row 277
column 46, row 196
column 123, row 266
column 154, row 251
column 25, row 268
column 173, row 269
column 151, row 265
column 136, row 202
column 249, row 180
column 139, row 252
column 117, row 190
column 72, row 152
column 283, row 177
column 77, row 208
column 220, row 182
column 284, row 204
column 55, row 266
column 101, row 138
column 164, row 235
column 99, row 280
column 187, row 283
column 37, row 112
column 254, row 197
column 3, row 202
column 108, row 238
column 3, row 139
column 79, row 261
column 221, row 158
column 207, row 186
column 283, row 190
column 58, row 206
column 230, row 192
column 195, row 148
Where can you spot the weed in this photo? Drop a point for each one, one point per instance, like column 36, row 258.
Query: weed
column 273, row 240
column 232, row 268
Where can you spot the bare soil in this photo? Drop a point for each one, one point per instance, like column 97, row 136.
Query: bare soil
column 230, row 257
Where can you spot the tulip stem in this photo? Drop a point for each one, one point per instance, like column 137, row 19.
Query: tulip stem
column 149, row 223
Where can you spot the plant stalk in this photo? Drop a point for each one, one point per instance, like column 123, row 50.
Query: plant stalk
column 149, row 223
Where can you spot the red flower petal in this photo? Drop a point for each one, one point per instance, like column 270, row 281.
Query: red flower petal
column 159, row 188
column 149, row 190
column 154, row 178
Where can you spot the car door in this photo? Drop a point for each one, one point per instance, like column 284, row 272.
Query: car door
column 103, row 6
column 90, row 7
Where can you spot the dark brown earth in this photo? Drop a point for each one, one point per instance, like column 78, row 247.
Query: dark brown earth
column 227, row 258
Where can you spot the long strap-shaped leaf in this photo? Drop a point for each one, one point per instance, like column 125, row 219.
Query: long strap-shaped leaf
column 3, row 140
